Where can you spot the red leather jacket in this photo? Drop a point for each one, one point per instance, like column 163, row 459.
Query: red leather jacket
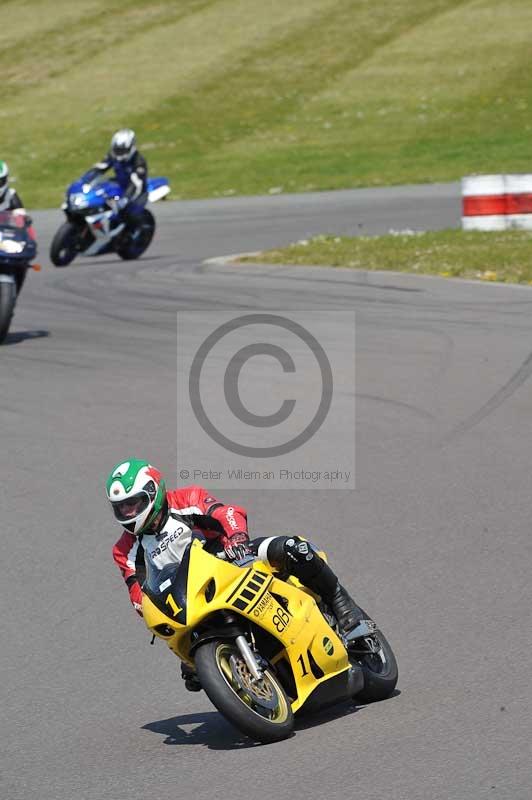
column 201, row 511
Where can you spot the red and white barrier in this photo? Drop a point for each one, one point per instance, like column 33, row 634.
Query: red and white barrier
column 496, row 202
column 519, row 201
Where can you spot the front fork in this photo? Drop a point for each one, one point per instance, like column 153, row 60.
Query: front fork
column 9, row 279
column 249, row 657
column 246, row 652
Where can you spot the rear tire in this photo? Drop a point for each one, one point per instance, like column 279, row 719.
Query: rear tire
column 379, row 669
column 138, row 240
column 227, row 683
column 8, row 298
column 64, row 247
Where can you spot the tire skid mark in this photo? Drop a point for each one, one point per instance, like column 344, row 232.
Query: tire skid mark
column 506, row 391
column 397, row 404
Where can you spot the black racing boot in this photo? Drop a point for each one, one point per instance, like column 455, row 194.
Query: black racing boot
column 190, row 676
column 345, row 609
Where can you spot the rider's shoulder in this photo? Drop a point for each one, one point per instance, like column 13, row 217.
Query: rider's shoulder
column 139, row 160
column 126, row 539
column 189, row 495
column 175, row 496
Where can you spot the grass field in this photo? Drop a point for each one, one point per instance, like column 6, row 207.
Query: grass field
column 244, row 97
column 504, row 256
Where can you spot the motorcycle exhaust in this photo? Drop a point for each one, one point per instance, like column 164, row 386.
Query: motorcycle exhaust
column 355, row 680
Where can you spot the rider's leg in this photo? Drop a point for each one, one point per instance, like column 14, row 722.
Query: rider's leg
column 132, row 213
column 298, row 558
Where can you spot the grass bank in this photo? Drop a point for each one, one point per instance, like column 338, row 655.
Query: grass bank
column 245, row 97
column 504, row 256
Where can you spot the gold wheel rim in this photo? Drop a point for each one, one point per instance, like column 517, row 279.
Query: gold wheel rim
column 269, row 687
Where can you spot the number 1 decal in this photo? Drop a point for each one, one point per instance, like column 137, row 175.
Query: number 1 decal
column 173, row 605
column 304, row 670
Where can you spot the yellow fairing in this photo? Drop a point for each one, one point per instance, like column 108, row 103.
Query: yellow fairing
column 307, row 643
column 314, row 651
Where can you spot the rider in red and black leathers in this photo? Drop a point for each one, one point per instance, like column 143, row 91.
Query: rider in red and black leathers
column 224, row 527
column 202, row 512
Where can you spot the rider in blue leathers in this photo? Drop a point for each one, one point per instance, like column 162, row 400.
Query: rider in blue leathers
column 131, row 173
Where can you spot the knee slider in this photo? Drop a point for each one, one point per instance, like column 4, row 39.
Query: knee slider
column 298, row 550
column 301, row 560
column 295, row 555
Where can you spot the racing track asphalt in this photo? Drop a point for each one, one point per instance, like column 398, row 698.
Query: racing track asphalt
column 434, row 541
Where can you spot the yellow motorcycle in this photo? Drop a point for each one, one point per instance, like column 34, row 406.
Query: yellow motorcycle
column 264, row 649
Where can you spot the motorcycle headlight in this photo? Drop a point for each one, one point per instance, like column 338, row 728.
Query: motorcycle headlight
column 10, row 247
column 78, row 200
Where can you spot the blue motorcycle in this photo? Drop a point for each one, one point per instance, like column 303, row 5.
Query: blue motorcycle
column 96, row 223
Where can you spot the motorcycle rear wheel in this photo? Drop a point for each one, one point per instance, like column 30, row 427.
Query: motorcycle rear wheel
column 379, row 668
column 8, row 298
column 64, row 247
column 261, row 711
column 138, row 241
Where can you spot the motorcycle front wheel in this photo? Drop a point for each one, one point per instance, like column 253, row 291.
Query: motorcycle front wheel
column 64, row 247
column 8, row 298
column 260, row 709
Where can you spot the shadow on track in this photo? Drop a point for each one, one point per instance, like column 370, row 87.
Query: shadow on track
column 205, row 728
column 332, row 713
column 211, row 730
column 23, row 336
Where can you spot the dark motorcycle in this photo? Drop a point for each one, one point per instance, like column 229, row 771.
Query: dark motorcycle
column 17, row 249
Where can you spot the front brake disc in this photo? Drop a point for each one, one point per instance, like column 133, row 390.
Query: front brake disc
column 261, row 692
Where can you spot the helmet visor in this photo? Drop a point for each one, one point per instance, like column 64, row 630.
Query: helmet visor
column 121, row 151
column 129, row 509
column 3, row 181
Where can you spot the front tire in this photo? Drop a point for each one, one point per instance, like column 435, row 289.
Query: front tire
column 138, row 240
column 8, row 298
column 64, row 247
column 261, row 711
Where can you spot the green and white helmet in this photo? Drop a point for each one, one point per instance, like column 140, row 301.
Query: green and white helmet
column 4, row 177
column 137, row 493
